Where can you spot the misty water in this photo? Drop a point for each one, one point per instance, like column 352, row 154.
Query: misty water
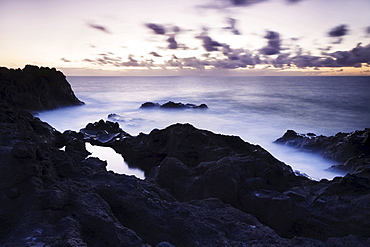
column 258, row 109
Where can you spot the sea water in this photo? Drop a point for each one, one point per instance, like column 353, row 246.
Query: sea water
column 258, row 109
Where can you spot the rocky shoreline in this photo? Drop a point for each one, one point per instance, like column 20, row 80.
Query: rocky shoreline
column 350, row 150
column 35, row 89
column 201, row 189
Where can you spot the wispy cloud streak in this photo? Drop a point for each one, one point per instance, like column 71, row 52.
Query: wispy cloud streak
column 99, row 27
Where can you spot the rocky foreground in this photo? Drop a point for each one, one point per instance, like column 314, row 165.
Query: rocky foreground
column 202, row 189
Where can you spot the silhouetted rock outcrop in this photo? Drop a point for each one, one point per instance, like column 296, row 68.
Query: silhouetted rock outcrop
column 173, row 105
column 34, row 88
column 352, row 150
column 150, row 105
column 103, row 132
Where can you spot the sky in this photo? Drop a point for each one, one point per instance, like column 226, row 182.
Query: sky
column 192, row 37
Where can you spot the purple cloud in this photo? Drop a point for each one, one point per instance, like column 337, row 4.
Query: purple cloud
column 116, row 61
column 65, row 60
column 325, row 49
column 208, row 43
column 338, row 31
column 354, row 57
column 245, row 2
column 232, row 22
column 172, row 44
column 224, row 4
column 158, row 29
column 176, row 29
column 293, row 1
column 273, row 44
column 170, row 31
column 239, row 58
column 131, row 63
column 98, row 27
column 155, row 54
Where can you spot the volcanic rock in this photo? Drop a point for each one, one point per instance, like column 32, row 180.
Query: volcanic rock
column 352, row 150
column 193, row 164
column 150, row 105
column 36, row 89
column 51, row 197
column 173, row 105
column 103, row 132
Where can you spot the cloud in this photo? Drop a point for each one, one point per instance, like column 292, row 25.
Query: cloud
column 282, row 61
column 338, row 31
column 222, row 56
column 293, row 1
column 111, row 59
column 172, row 44
column 233, row 59
column 88, row 60
column 337, row 41
column 155, row 54
column 273, row 43
column 174, row 62
column 98, row 27
column 232, row 22
column 245, row 2
column 157, row 28
column 208, row 43
column 176, row 29
column 224, row 4
column 65, row 60
column 367, row 30
column 193, row 62
column 131, row 63
column 354, row 57
column 169, row 31
column 187, row 62
column 325, row 49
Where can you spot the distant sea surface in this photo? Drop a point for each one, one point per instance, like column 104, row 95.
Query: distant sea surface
column 258, row 109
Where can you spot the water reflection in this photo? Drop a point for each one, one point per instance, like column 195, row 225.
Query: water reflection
column 114, row 160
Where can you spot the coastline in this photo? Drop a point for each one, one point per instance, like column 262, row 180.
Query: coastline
column 201, row 189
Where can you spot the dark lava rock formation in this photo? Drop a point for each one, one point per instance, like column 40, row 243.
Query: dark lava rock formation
column 173, row 105
column 193, row 164
column 202, row 189
column 55, row 197
column 35, row 89
column 351, row 150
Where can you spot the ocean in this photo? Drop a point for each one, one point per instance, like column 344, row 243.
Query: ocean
column 258, row 109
